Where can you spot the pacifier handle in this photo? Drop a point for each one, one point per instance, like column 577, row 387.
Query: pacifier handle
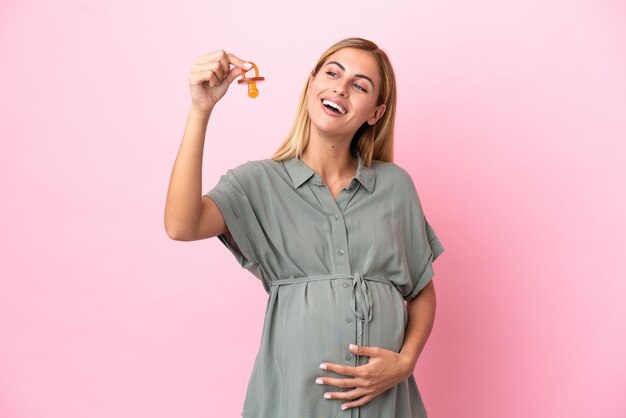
column 252, row 90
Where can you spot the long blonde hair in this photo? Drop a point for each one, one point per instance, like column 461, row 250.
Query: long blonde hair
column 373, row 142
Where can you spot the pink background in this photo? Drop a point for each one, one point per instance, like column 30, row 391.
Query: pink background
column 511, row 120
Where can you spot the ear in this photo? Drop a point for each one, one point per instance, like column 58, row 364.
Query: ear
column 378, row 113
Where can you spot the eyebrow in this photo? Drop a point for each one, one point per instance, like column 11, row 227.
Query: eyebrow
column 356, row 75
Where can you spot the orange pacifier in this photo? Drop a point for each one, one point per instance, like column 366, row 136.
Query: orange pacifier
column 252, row 91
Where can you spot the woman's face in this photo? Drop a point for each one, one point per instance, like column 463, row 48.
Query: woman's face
column 350, row 79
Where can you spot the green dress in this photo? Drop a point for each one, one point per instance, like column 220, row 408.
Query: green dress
column 336, row 272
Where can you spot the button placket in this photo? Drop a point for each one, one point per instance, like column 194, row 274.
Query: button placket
column 340, row 243
column 341, row 262
column 349, row 321
column 339, row 235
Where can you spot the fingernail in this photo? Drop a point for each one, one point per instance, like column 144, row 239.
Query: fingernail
column 343, row 408
column 247, row 65
column 327, row 395
column 323, row 366
column 319, row 381
column 353, row 347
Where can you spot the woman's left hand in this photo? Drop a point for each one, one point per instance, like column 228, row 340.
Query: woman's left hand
column 384, row 370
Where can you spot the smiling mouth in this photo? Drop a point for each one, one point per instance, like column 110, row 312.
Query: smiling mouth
column 333, row 107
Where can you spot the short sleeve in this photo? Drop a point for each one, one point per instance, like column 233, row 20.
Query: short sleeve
column 421, row 246
column 234, row 201
column 422, row 269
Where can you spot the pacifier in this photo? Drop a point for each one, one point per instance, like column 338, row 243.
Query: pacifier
column 252, row 91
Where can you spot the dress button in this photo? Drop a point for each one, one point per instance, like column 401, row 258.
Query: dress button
column 340, row 252
column 348, row 357
column 346, row 284
column 348, row 319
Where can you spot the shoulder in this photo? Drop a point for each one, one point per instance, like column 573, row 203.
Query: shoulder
column 394, row 183
column 254, row 168
column 256, row 176
column 391, row 175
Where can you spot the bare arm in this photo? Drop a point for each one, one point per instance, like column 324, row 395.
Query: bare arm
column 421, row 311
column 188, row 215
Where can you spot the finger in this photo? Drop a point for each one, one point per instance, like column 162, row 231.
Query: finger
column 341, row 369
column 207, row 76
column 225, row 59
column 224, row 62
column 217, row 60
column 347, row 395
column 201, row 77
column 212, row 56
column 235, row 60
column 213, row 79
column 359, row 402
column 340, row 383
column 233, row 74
column 216, row 67
column 206, row 69
column 362, row 350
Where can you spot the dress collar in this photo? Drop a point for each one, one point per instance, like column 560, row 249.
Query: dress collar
column 300, row 173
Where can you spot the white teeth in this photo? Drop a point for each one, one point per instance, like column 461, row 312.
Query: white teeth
column 335, row 105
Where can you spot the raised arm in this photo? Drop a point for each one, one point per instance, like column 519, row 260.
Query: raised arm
column 188, row 215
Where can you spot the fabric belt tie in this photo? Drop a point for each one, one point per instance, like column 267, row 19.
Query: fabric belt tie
column 360, row 289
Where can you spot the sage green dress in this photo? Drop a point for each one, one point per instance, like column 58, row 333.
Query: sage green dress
column 336, row 272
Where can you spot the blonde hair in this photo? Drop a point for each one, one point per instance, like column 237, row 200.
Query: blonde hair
column 373, row 142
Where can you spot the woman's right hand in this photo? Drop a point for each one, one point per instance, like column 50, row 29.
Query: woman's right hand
column 210, row 77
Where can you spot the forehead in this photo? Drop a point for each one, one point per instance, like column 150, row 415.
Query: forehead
column 356, row 61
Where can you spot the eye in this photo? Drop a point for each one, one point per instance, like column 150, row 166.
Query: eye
column 358, row 86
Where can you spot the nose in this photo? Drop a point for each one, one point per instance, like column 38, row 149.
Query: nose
column 338, row 91
column 340, row 88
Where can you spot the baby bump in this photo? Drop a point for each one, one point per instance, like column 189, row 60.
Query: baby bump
column 314, row 321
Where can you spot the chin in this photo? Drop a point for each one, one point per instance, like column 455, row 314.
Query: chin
column 330, row 131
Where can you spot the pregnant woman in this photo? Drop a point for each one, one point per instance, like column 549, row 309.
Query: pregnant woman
column 335, row 232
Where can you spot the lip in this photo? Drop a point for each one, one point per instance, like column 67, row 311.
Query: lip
column 330, row 112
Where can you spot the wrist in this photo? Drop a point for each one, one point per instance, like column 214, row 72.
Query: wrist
column 204, row 114
column 409, row 360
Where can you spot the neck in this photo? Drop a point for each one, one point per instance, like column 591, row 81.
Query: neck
column 330, row 158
